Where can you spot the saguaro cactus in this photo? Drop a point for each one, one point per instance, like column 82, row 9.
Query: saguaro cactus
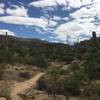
column 95, row 40
column 94, row 36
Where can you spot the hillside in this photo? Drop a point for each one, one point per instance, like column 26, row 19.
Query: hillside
column 71, row 72
column 87, row 46
column 33, row 51
column 25, row 51
column 81, row 79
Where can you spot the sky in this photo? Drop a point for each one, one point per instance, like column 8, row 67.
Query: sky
column 52, row 20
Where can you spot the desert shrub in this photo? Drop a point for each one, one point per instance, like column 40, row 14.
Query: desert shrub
column 27, row 59
column 73, row 82
column 2, row 68
column 25, row 75
column 16, row 69
column 40, row 61
column 56, row 81
column 97, row 88
column 42, row 84
column 89, row 92
column 53, row 82
column 5, row 91
column 23, row 96
column 92, row 67
column 74, row 65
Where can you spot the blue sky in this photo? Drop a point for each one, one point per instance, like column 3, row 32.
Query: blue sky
column 51, row 20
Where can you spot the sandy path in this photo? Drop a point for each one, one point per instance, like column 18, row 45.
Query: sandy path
column 24, row 86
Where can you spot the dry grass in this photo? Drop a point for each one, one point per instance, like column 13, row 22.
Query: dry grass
column 12, row 72
column 5, row 89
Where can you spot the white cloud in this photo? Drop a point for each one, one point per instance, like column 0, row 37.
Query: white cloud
column 56, row 18
column 75, row 28
column 83, row 17
column 55, row 41
column 52, row 23
column 86, row 13
column 82, row 23
column 67, row 3
column 3, row 32
column 2, row 11
column 43, row 3
column 39, row 22
column 18, row 11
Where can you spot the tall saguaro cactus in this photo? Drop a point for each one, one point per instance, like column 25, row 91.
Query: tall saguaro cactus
column 6, row 46
column 95, row 40
column 94, row 36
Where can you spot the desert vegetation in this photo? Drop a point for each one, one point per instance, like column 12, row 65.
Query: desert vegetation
column 70, row 71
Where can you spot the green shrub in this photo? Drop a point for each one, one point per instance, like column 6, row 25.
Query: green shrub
column 40, row 61
column 5, row 91
column 58, row 82
column 97, row 89
column 92, row 67
column 2, row 68
column 42, row 84
column 72, row 83
column 53, row 82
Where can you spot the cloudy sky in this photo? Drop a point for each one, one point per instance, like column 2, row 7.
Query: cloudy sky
column 52, row 20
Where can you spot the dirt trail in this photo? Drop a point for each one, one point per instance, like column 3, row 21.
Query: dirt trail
column 24, row 86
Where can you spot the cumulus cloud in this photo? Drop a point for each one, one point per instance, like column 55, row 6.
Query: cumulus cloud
column 3, row 32
column 67, row 3
column 2, row 8
column 73, row 29
column 83, row 22
column 83, row 18
column 39, row 22
column 17, row 11
column 43, row 3
column 56, row 18
column 52, row 23
column 80, row 17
